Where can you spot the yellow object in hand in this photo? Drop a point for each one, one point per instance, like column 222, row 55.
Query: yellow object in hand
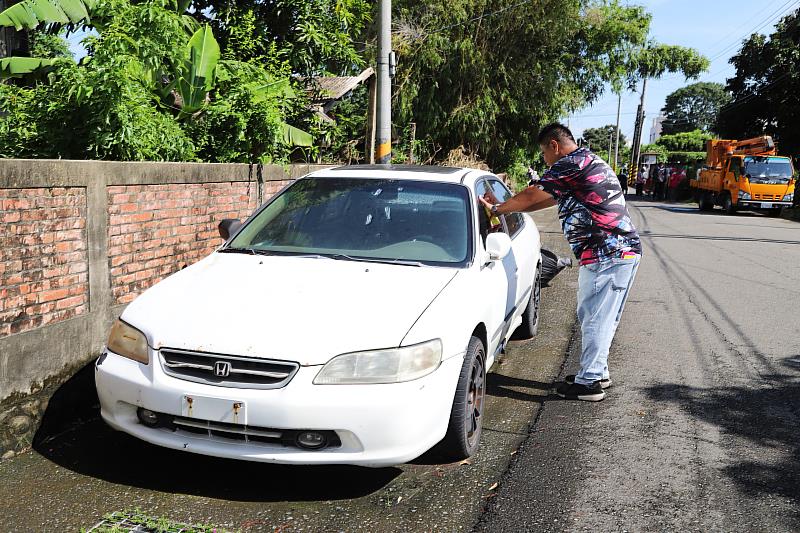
column 494, row 221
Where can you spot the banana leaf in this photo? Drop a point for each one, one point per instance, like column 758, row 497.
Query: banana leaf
column 262, row 91
column 29, row 14
column 199, row 71
column 16, row 67
column 296, row 137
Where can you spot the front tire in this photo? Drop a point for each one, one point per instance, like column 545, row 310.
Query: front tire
column 728, row 205
column 530, row 317
column 466, row 417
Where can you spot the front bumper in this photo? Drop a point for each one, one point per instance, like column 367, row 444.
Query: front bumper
column 378, row 425
column 756, row 204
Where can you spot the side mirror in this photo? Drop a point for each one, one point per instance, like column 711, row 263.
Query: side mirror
column 228, row 227
column 498, row 245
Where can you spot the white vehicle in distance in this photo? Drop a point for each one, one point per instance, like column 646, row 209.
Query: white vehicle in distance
column 349, row 320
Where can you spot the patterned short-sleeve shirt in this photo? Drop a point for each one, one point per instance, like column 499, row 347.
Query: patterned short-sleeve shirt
column 591, row 207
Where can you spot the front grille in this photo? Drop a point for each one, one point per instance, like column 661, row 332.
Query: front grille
column 236, row 432
column 772, row 197
column 227, row 370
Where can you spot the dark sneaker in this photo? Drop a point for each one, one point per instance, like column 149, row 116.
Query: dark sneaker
column 604, row 383
column 576, row 391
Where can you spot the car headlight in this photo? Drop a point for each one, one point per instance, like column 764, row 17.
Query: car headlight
column 744, row 195
column 788, row 198
column 129, row 342
column 392, row 365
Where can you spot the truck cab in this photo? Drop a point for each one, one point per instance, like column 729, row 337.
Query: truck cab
column 765, row 182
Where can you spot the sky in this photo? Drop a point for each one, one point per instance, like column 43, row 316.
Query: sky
column 715, row 28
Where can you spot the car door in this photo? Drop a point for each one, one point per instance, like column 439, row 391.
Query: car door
column 522, row 246
column 496, row 278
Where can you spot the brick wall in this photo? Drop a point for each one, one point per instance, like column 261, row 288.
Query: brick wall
column 43, row 257
column 155, row 230
column 272, row 187
column 80, row 239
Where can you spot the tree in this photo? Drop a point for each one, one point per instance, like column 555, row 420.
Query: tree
column 488, row 83
column 313, row 36
column 694, row 107
column 691, row 141
column 153, row 87
column 765, row 87
column 597, row 139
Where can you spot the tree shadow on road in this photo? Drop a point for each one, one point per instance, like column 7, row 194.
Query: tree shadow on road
column 73, row 436
column 766, row 418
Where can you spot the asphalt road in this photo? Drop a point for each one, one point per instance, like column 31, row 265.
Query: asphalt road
column 80, row 470
column 700, row 431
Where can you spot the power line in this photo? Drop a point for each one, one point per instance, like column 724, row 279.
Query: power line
column 774, row 15
column 738, row 103
column 725, row 37
column 780, row 12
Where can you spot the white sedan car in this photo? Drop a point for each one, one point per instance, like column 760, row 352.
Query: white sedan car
column 349, row 320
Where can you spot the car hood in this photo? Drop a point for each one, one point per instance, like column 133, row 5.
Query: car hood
column 280, row 307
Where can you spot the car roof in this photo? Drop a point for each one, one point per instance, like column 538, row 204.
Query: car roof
column 408, row 172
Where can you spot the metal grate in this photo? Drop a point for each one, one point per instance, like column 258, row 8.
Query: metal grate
column 227, row 370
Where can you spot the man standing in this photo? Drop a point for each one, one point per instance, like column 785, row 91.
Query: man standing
column 623, row 181
column 597, row 225
column 641, row 178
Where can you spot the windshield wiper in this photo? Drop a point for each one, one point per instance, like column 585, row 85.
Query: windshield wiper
column 302, row 255
column 404, row 262
column 232, row 250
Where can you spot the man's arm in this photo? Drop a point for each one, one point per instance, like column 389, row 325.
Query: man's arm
column 544, row 204
column 530, row 199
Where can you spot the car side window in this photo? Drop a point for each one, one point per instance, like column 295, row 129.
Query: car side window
column 485, row 226
column 514, row 221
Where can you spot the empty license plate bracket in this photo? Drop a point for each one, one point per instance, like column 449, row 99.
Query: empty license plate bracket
column 214, row 409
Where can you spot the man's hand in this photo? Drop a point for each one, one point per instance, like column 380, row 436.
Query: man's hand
column 487, row 203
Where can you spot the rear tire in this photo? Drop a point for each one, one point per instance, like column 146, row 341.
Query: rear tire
column 466, row 417
column 530, row 317
column 703, row 203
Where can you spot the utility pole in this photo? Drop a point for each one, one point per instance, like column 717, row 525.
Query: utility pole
column 383, row 150
column 610, row 140
column 371, row 117
column 637, row 134
column 616, row 144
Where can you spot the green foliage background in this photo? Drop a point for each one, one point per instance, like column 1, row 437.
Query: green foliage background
column 765, row 87
column 478, row 77
column 694, row 107
column 597, row 138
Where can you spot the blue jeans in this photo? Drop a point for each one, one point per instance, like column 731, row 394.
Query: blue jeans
column 602, row 291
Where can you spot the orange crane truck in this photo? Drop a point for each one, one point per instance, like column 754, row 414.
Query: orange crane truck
column 745, row 175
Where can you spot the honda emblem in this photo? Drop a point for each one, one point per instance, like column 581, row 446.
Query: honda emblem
column 222, row 369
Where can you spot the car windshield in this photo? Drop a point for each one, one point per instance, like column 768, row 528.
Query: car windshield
column 365, row 219
column 768, row 169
